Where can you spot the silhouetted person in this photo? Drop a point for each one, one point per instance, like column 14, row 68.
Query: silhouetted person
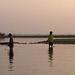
column 10, row 44
column 50, row 39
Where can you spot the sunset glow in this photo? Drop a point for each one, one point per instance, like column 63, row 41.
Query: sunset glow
column 37, row 16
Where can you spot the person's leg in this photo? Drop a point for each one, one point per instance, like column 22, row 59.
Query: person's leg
column 51, row 44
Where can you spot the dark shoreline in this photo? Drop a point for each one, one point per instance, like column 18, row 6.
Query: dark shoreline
column 59, row 39
column 39, row 36
column 56, row 41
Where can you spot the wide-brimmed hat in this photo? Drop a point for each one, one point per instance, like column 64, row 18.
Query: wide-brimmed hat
column 51, row 32
column 10, row 34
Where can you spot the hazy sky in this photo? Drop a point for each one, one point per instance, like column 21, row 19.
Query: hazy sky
column 37, row 16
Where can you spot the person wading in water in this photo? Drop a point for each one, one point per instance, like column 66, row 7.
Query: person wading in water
column 50, row 39
column 10, row 44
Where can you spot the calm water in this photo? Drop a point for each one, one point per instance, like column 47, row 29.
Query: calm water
column 37, row 59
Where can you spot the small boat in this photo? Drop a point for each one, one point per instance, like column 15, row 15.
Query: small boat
column 2, row 34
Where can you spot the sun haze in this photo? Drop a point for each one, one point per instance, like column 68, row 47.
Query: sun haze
column 37, row 16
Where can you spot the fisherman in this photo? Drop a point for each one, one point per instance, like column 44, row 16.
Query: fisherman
column 50, row 39
column 10, row 44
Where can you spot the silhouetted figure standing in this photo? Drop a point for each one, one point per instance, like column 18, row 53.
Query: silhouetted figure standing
column 50, row 39
column 10, row 44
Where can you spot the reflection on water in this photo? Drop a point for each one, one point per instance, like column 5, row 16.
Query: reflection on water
column 50, row 52
column 38, row 59
column 2, row 39
column 11, row 54
column 11, row 67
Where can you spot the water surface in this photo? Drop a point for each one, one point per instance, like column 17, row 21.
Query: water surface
column 38, row 59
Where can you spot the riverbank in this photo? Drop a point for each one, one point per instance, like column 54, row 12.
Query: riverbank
column 39, row 36
column 59, row 41
column 56, row 41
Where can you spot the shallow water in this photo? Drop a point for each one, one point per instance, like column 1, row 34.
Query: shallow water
column 37, row 59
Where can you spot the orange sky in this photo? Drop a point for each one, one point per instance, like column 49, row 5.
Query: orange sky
column 37, row 16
